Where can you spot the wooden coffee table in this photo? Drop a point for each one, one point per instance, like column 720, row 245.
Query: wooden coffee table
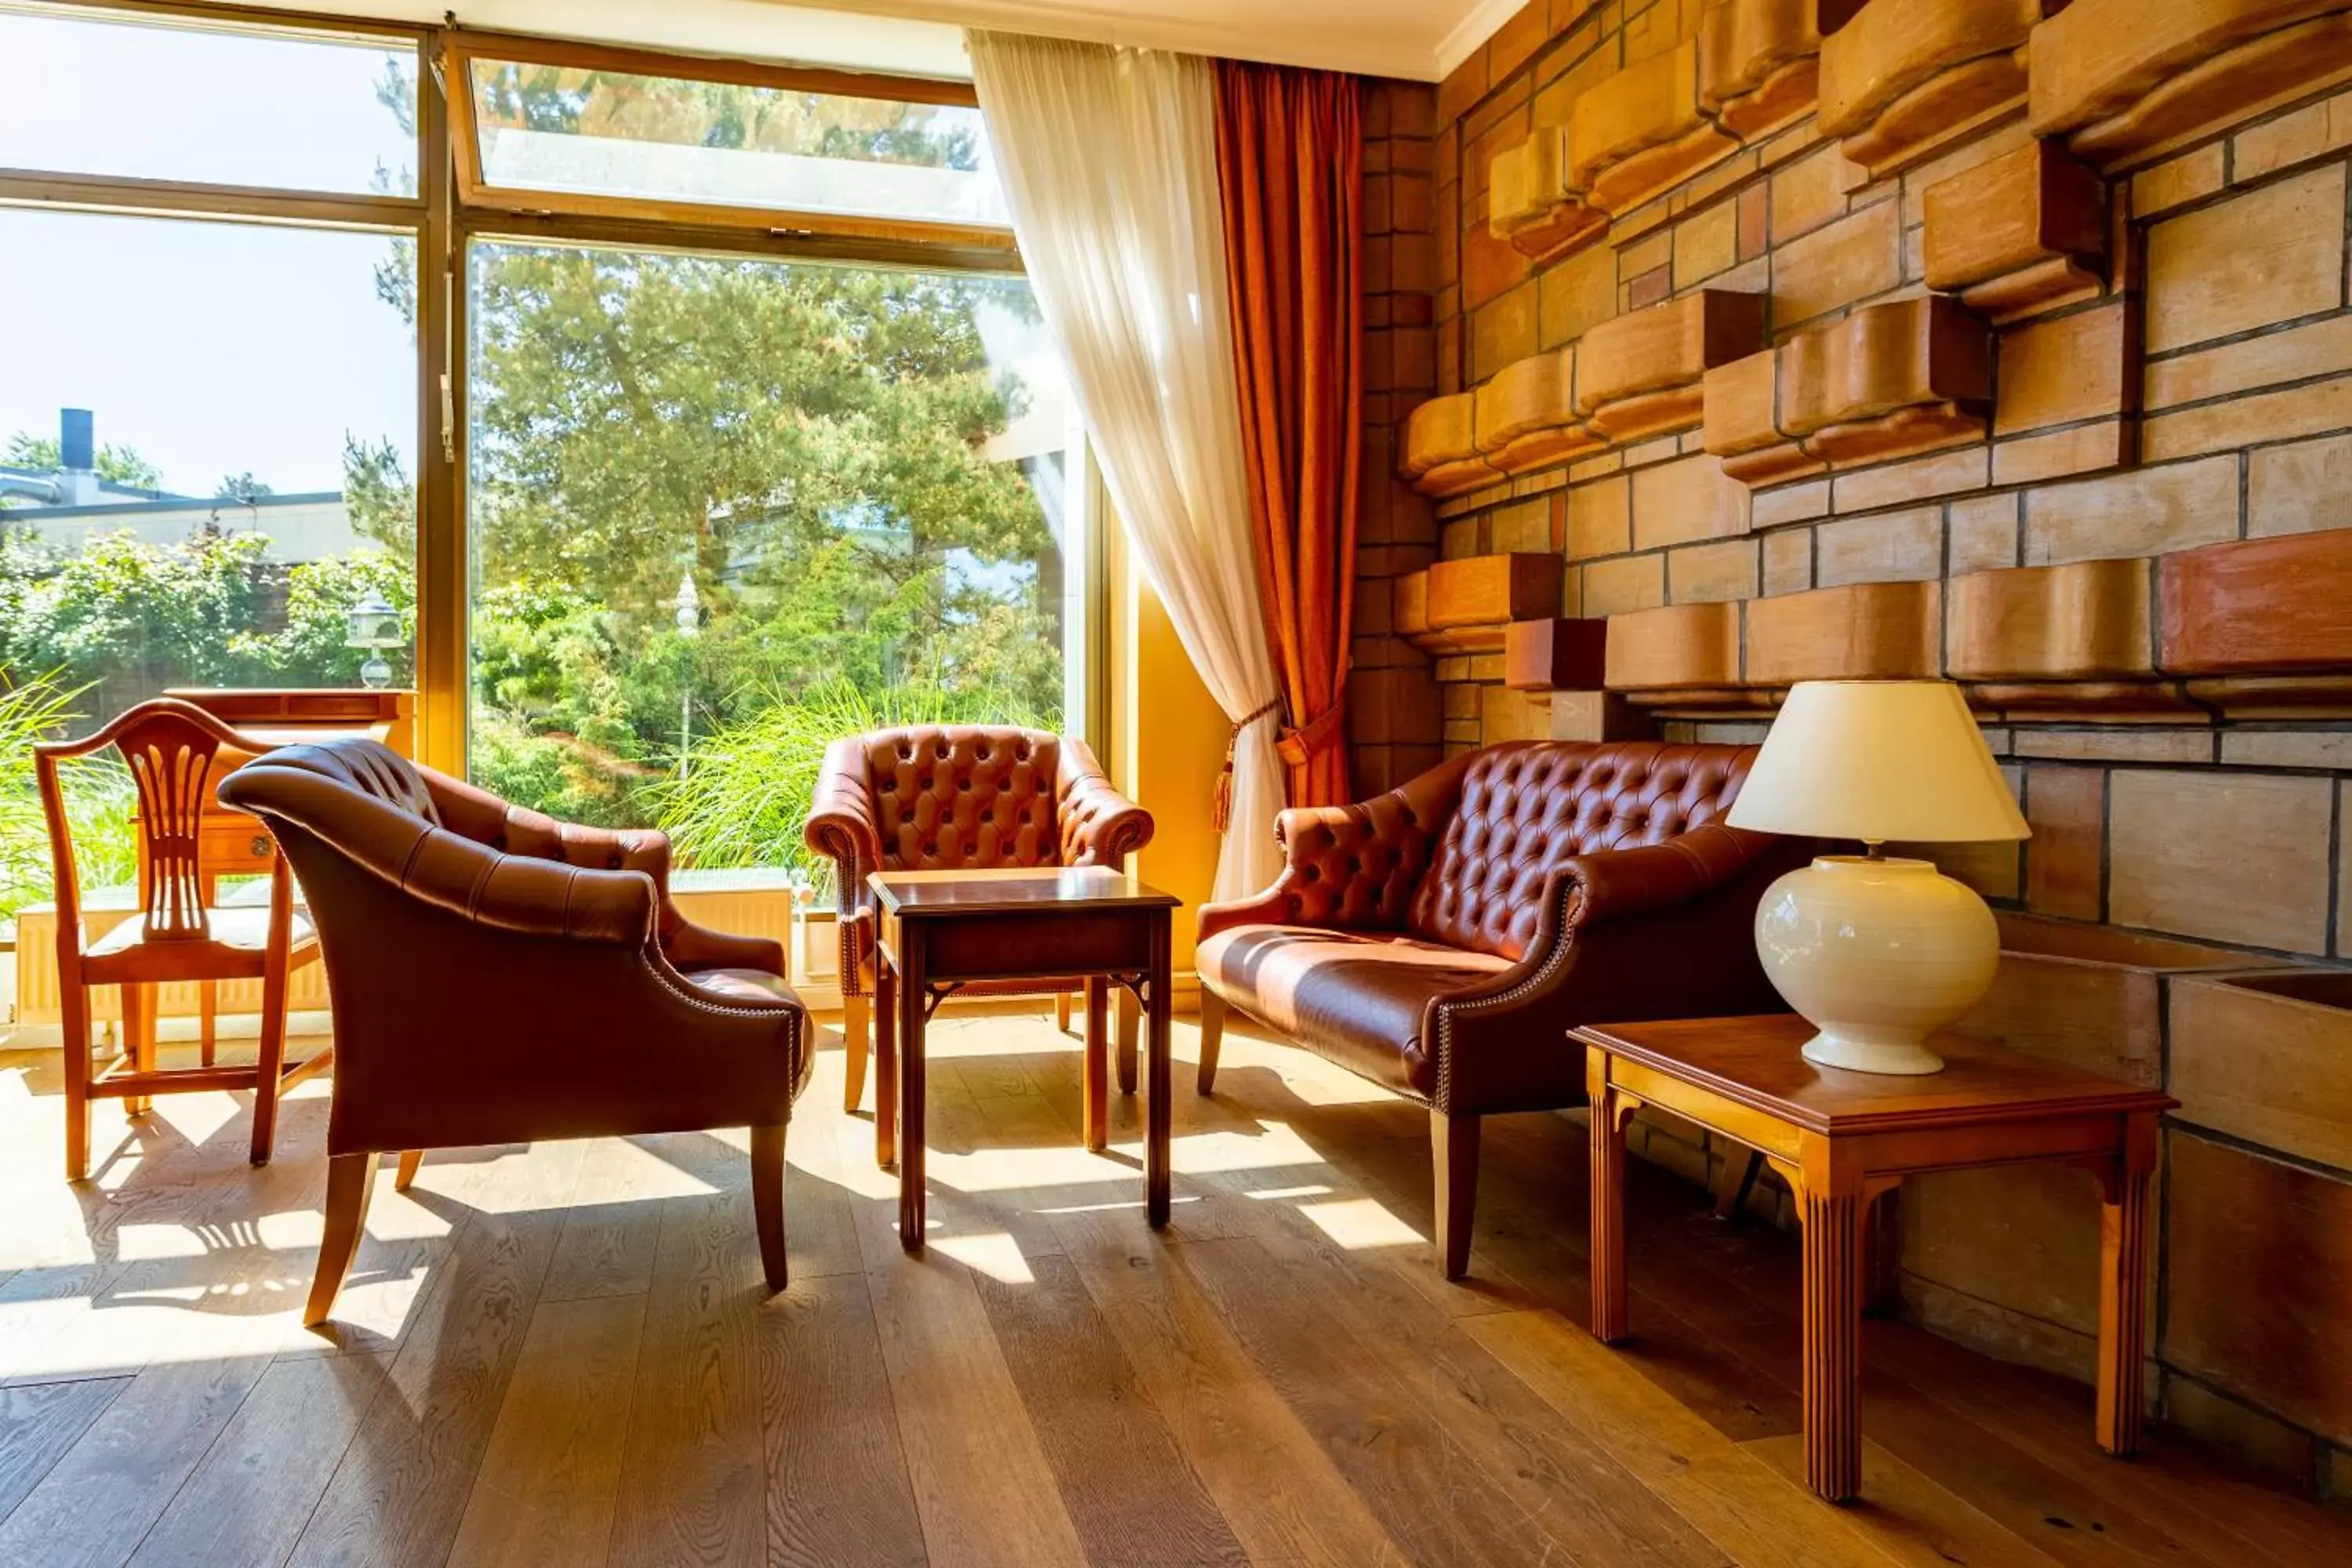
column 941, row 930
column 1841, row 1139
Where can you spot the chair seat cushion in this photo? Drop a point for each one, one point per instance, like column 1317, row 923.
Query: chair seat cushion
column 1357, row 997
column 245, row 928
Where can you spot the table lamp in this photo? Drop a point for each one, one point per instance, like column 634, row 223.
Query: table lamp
column 1877, row 953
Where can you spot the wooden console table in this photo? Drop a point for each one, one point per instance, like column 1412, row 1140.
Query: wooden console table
column 1841, row 1139
column 941, row 930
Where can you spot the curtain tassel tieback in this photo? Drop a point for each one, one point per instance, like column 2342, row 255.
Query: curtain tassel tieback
column 1298, row 743
column 1220, row 805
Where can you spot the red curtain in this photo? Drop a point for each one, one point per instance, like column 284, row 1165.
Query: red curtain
column 1290, row 159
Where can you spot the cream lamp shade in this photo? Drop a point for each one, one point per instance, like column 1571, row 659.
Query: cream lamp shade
column 1878, row 952
column 1881, row 761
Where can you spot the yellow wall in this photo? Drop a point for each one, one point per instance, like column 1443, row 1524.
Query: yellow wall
column 1165, row 744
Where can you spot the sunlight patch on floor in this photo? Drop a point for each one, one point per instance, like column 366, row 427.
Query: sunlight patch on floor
column 1357, row 1224
column 996, row 1255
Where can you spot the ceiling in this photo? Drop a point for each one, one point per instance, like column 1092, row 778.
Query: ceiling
column 1418, row 39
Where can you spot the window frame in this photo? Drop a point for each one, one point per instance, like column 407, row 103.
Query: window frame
column 452, row 207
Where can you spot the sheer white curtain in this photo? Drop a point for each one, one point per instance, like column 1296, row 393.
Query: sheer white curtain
column 1109, row 162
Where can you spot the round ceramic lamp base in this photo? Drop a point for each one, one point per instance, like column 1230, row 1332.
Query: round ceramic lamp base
column 1877, row 954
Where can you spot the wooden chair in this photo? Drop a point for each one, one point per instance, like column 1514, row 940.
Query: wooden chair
column 172, row 749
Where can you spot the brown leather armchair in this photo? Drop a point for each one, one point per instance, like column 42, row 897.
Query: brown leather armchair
column 1440, row 938
column 932, row 797
column 498, row 977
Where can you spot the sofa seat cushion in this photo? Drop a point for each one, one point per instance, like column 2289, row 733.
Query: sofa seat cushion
column 1357, row 997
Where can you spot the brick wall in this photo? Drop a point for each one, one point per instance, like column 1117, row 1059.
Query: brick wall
column 2186, row 380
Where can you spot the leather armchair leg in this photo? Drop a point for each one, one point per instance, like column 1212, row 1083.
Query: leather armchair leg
column 351, row 1180
column 1454, row 1154
column 1213, row 1036
column 854, row 1038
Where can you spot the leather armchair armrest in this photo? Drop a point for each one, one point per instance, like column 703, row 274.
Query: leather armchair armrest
column 841, row 824
column 1100, row 826
column 688, row 946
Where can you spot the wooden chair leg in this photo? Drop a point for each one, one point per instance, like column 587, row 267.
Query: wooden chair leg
column 1453, row 1155
column 1061, row 1011
column 351, row 1181
column 768, row 1201
column 139, row 1041
column 406, row 1176
column 270, row 1067
column 208, row 1020
column 854, row 1041
column 1213, row 1036
column 74, row 1005
column 1130, row 1031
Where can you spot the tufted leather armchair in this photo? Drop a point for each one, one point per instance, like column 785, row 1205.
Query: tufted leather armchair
column 498, row 977
column 932, row 797
column 1440, row 938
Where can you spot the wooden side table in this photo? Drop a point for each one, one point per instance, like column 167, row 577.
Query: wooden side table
column 941, row 930
column 1841, row 1139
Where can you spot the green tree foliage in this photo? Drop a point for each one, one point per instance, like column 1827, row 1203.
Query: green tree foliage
column 122, row 464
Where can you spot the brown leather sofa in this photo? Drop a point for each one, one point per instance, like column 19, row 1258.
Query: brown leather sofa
column 500, row 977
column 1440, row 938
column 932, row 798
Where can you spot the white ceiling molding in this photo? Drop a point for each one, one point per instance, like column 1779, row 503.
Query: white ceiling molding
column 1484, row 20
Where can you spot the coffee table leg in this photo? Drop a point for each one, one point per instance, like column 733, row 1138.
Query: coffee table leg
column 885, row 1065
column 912, row 989
column 1832, row 1221
column 1609, row 1324
column 1157, row 1094
column 2124, row 1192
column 1095, row 1076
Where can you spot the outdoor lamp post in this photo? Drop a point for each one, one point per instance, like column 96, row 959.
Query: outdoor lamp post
column 374, row 625
column 688, row 606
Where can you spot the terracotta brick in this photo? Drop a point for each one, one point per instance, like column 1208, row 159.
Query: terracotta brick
column 1755, row 227
column 2180, row 180
column 1600, row 520
column 1983, row 534
column 1852, row 258
column 2261, row 1058
column 1699, row 574
column 2243, row 421
column 1706, row 245
column 2271, row 255
column 1463, row 87
column 1892, row 547
column 2144, row 512
column 1892, row 484
column 1502, row 331
column 2309, row 132
column 1808, row 193
column 2020, row 1249
column 1412, row 109
column 1461, row 699
column 1490, row 265
column 2331, row 750
column 1655, row 250
column 2063, row 369
column 1577, row 294
column 1628, row 583
column 2066, row 808
column 2319, row 348
column 2227, row 856
column 2343, row 873
column 2298, row 488
column 2055, row 454
column 1676, row 502
column 1413, row 200
column 2244, row 1229
column 1969, row 155
column 1524, row 526
column 1398, row 704
column 1461, row 538
column 1508, row 715
column 2116, row 746
column 1791, row 503
column 1516, row 41
column 1650, row 287
column 1787, row 560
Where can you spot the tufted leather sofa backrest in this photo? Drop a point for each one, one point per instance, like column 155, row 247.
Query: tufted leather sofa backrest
column 964, row 797
column 1528, row 807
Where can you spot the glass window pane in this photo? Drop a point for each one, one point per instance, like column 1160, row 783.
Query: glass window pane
column 726, row 511
column 191, row 497
column 209, row 104
column 608, row 133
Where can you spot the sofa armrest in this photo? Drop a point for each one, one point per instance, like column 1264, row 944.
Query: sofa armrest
column 1100, row 826
column 841, row 825
column 1345, row 867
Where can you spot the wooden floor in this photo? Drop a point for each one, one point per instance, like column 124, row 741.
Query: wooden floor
column 561, row 1354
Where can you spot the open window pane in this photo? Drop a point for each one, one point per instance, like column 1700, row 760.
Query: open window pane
column 724, row 511
column 206, row 103
column 605, row 133
column 207, row 439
